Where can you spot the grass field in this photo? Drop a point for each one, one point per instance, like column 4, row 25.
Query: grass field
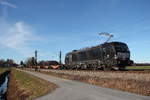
column 138, row 67
column 130, row 81
column 3, row 69
column 29, row 86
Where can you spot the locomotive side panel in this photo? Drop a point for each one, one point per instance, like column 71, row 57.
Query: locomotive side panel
column 106, row 56
column 90, row 58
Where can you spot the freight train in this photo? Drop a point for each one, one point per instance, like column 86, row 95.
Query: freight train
column 106, row 56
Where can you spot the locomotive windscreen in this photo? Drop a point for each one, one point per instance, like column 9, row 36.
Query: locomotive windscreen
column 121, row 47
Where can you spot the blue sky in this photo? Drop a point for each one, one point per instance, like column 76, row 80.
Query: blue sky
column 53, row 25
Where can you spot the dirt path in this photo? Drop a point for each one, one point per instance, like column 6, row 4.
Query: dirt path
column 72, row 90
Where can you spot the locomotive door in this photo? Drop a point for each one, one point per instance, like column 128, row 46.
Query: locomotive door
column 66, row 60
column 108, row 55
column 70, row 59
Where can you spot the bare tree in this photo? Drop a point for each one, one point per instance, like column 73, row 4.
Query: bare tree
column 30, row 61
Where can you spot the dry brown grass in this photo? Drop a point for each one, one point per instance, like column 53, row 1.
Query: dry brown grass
column 23, row 86
column 3, row 69
column 126, row 81
column 15, row 92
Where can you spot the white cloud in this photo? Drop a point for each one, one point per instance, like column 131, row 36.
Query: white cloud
column 17, row 36
column 8, row 4
column 4, row 6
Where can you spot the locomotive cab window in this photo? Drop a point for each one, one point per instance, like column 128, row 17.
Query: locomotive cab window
column 67, row 59
column 121, row 47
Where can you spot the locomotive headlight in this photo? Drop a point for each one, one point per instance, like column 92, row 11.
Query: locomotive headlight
column 115, row 56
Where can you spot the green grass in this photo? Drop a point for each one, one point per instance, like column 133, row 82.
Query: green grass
column 35, row 86
column 2, row 69
column 138, row 67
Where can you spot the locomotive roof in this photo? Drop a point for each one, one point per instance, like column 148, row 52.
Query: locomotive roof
column 88, row 48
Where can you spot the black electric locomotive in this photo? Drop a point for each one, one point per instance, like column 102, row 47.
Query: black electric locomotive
column 105, row 56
